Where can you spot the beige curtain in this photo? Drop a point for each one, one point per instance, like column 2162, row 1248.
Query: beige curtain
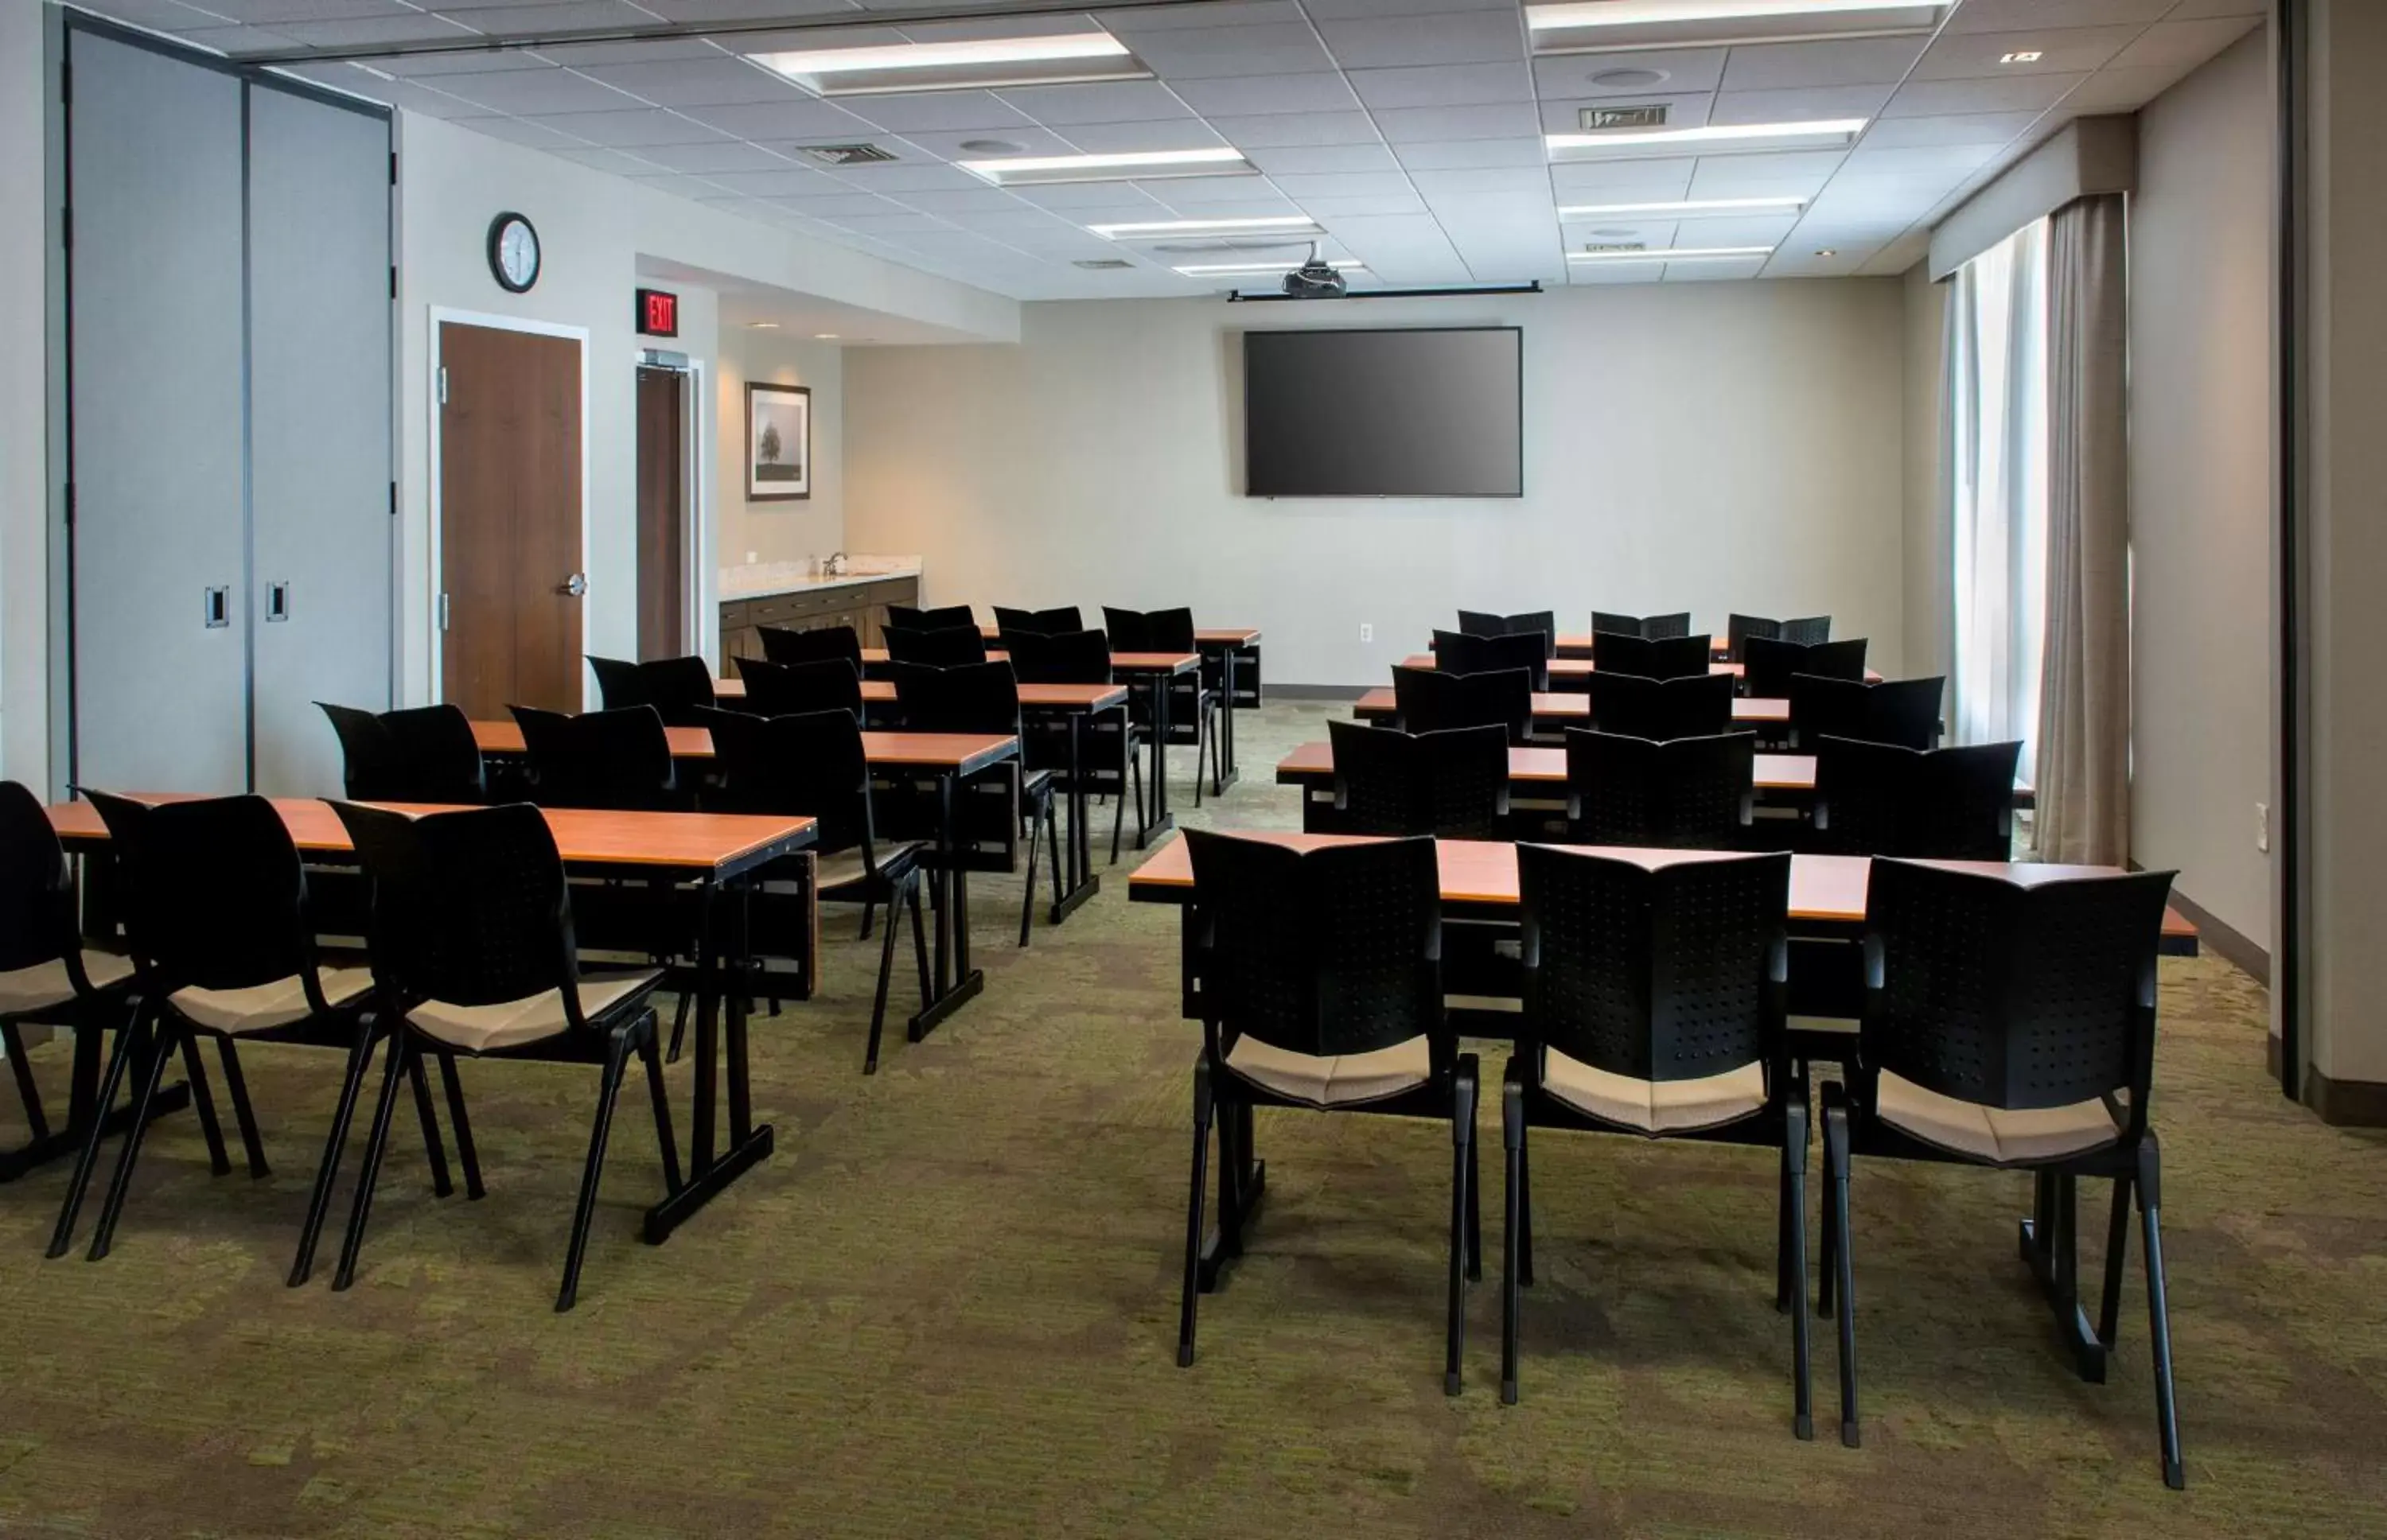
column 2083, row 766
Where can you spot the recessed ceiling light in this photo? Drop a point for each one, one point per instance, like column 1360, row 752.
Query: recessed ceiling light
column 1628, row 79
column 993, row 146
column 1674, row 254
column 1683, row 208
column 973, row 64
column 1288, row 223
column 1593, row 26
column 762, row 325
column 1130, row 165
column 2026, row 55
column 1224, row 270
column 1825, row 132
column 1829, row 251
column 824, row 336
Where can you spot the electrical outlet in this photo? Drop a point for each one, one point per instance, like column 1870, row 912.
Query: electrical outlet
column 2263, row 827
column 1366, row 632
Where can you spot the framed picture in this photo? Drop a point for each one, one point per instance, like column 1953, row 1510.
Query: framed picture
column 779, row 442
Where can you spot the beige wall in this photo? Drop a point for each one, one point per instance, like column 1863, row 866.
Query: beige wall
column 24, row 452
column 1709, row 446
column 1930, row 570
column 779, row 531
column 2201, row 485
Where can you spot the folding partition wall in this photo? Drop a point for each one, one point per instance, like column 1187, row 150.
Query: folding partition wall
column 230, row 435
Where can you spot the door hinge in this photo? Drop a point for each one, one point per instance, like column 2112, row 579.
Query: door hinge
column 393, row 280
column 442, row 384
column 393, row 499
column 443, row 611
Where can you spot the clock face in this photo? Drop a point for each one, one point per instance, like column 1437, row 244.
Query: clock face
column 514, row 252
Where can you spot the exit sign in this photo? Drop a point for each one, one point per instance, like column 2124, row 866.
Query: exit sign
column 658, row 314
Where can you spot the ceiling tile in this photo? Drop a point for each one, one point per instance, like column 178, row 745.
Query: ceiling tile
column 1868, row 159
column 1696, row 69
column 1263, row 200
column 1318, row 159
column 574, row 55
column 901, row 180
column 1519, row 183
column 1321, row 208
column 1465, row 37
column 1593, row 273
column 2169, row 45
column 1975, row 56
column 1621, row 181
column 633, row 129
column 1971, row 128
column 800, row 118
column 938, row 111
column 1208, row 52
column 521, row 131
column 1349, row 185
column 1461, row 155
column 1268, row 93
column 536, row 92
column 1714, row 272
column 954, row 202
column 2191, row 10
column 1992, row 16
column 1420, row 125
column 2113, row 90
column 1226, row 12
column 1280, row 128
column 616, row 162
column 1086, row 195
column 1177, row 133
column 1104, row 102
column 832, row 205
column 2006, row 94
column 1799, row 106
column 794, row 181
column 1850, row 61
column 694, row 83
column 476, row 62
column 721, row 154
column 952, row 145
column 1444, row 85
column 362, row 31
column 577, row 16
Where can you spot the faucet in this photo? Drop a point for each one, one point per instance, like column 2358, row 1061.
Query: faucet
column 835, row 566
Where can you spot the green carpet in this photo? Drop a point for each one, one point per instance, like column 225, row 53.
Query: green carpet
column 947, row 1307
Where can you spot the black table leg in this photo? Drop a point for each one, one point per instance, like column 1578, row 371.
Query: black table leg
column 1226, row 751
column 721, row 984
column 83, row 1102
column 955, row 981
column 1161, row 822
column 1079, row 883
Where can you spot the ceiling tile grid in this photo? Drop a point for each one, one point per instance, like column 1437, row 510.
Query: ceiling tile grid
column 1411, row 133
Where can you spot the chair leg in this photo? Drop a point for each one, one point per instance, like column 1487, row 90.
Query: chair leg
column 13, row 1044
column 1036, row 817
column 1142, row 814
column 919, row 940
column 616, row 1052
column 679, row 1024
column 2150, row 1189
column 1794, row 1268
column 1201, row 738
column 1526, row 1214
column 1119, row 819
column 665, row 1144
column 377, row 1147
column 1053, row 842
column 867, row 911
column 879, row 1009
column 203, row 1103
column 87, row 1161
column 244, row 1112
column 319, row 1204
column 1462, row 1156
column 434, row 1147
column 112, row 1208
column 2117, row 1244
column 1835, row 1158
column 1475, row 1210
column 1204, row 1108
column 468, row 1155
column 1513, row 1139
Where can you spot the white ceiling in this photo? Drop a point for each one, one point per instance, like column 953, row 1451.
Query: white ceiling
column 1411, row 130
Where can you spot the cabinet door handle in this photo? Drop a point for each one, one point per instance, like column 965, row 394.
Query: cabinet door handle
column 216, row 607
column 277, row 601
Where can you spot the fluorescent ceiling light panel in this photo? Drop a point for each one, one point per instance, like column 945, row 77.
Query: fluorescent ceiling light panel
column 1674, row 254
column 1593, row 26
column 974, row 65
column 1130, row 166
column 1687, row 208
column 1226, row 270
column 1717, row 139
column 1286, row 224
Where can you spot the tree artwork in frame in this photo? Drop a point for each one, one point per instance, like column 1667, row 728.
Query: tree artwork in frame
column 779, row 442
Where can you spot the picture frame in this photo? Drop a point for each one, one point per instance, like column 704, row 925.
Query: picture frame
column 779, row 442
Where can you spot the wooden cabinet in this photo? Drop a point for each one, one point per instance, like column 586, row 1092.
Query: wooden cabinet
column 861, row 605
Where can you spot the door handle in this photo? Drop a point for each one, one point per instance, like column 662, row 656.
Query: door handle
column 277, row 602
column 215, row 611
column 577, row 585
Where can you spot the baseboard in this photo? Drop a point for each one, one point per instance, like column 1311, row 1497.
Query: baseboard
column 1314, row 692
column 2229, row 944
column 2345, row 1104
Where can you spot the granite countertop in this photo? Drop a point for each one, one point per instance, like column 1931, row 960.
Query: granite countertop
column 764, row 579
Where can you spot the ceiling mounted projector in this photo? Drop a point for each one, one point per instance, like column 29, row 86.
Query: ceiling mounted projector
column 1314, row 279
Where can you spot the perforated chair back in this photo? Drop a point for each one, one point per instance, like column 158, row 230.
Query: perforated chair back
column 1672, row 974
column 1073, row 658
column 1647, row 627
column 1699, row 706
column 2013, row 996
column 1667, row 658
column 818, row 645
column 1483, row 623
column 1456, row 652
column 1963, row 808
column 608, row 759
column 675, row 686
column 1690, row 793
column 37, row 909
column 976, row 697
column 943, row 619
column 213, row 893
column 946, row 647
column 1431, row 700
column 1045, row 623
column 790, row 690
column 1477, row 622
column 1767, row 665
column 1452, row 783
column 369, row 765
column 1807, row 631
column 1864, row 795
column 1905, row 711
column 438, row 759
column 811, row 765
column 1326, row 952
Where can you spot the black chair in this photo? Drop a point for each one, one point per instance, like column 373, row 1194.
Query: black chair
column 949, row 646
column 1479, row 622
column 821, row 644
column 984, row 697
column 48, row 976
column 813, row 766
column 609, row 759
column 1456, row 652
column 1056, row 621
column 1904, row 712
column 474, row 953
column 1647, row 627
column 1691, row 793
column 1665, row 658
column 1767, row 665
column 791, row 689
column 1806, row 632
column 420, row 754
column 1194, row 699
column 1321, row 988
column 1454, row 784
column 1880, row 798
column 215, row 911
column 1655, row 1004
column 943, row 619
column 1431, row 700
column 1632, row 706
column 678, row 688
column 2013, row 1025
column 1111, row 743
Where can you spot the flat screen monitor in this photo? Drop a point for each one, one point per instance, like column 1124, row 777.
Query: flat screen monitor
column 1418, row 413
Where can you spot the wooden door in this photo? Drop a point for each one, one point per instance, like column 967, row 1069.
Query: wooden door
column 510, row 520
column 663, row 526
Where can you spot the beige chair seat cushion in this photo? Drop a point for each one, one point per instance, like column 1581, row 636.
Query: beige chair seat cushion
column 512, row 1023
column 1993, row 1134
column 46, row 984
column 836, row 871
column 1334, row 1080
column 1654, row 1106
column 262, row 1008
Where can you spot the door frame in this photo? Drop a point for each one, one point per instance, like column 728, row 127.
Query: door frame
column 702, row 623
column 440, row 315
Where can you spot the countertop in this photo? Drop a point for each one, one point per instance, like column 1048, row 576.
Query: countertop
column 766, row 579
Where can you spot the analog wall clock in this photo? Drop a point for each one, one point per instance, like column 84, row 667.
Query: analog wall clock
column 513, row 253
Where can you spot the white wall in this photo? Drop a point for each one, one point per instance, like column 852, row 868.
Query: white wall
column 1709, row 446
column 2201, row 485
column 779, row 531
column 24, row 448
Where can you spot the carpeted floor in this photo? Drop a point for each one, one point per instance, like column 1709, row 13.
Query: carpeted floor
column 947, row 1307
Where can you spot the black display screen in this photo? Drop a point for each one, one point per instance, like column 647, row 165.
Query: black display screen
column 1411, row 413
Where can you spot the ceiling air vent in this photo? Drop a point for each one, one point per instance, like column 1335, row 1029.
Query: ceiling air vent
column 1594, row 119
column 848, row 154
column 1101, row 264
